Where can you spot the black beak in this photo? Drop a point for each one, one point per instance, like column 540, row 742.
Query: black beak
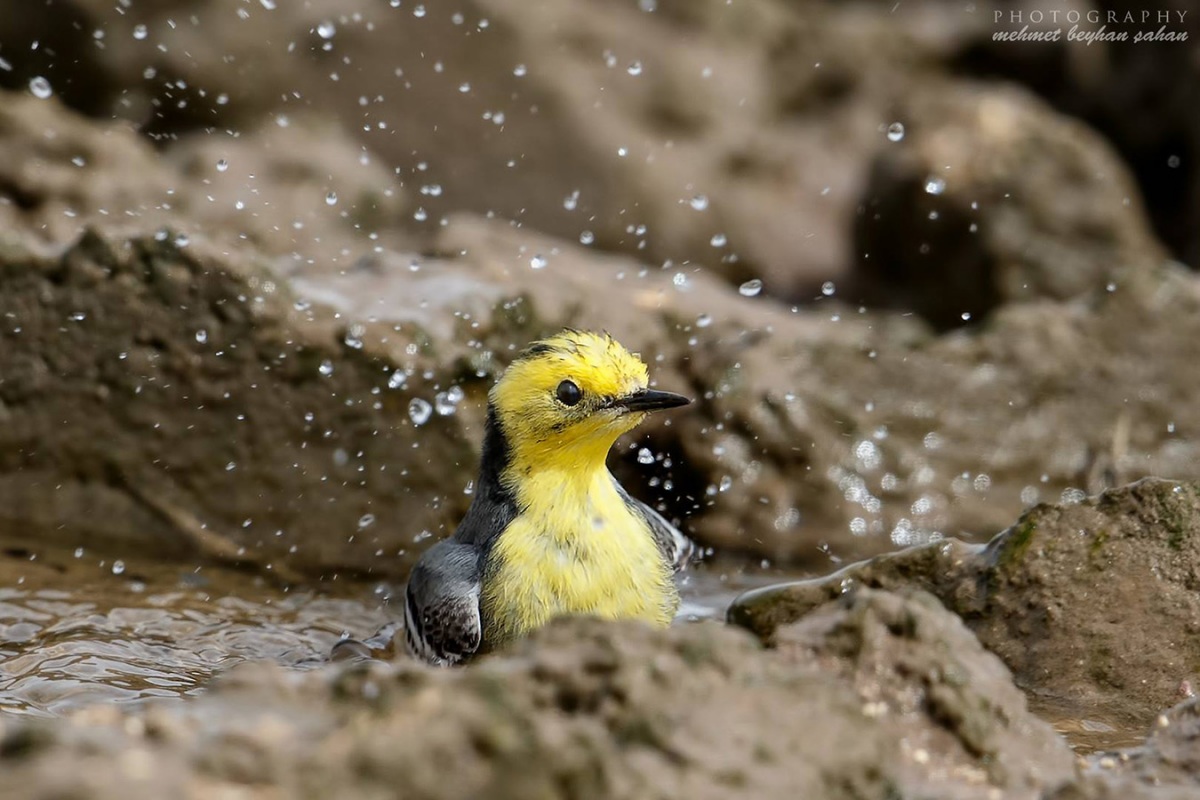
column 650, row 400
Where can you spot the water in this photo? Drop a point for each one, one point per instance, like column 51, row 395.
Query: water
column 73, row 633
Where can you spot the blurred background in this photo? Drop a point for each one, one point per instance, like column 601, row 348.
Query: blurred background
column 919, row 271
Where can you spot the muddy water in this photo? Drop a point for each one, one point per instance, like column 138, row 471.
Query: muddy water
column 76, row 631
column 72, row 632
column 80, row 630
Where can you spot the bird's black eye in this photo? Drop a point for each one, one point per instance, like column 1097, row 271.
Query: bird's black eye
column 568, row 393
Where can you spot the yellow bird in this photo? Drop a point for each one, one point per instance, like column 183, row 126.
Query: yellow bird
column 549, row 530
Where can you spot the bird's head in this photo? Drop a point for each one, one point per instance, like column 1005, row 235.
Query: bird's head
column 575, row 391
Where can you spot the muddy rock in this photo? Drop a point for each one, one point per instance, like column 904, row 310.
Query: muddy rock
column 816, row 434
column 1169, row 755
column 1164, row 767
column 1108, row 787
column 1092, row 605
column 809, row 426
column 750, row 138
column 823, row 430
column 588, row 710
column 160, row 400
column 812, row 432
column 304, row 194
column 906, row 655
column 992, row 198
column 1142, row 96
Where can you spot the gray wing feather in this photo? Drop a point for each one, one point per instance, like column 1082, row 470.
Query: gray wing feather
column 441, row 604
column 676, row 548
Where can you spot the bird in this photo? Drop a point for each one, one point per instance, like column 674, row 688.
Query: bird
column 550, row 531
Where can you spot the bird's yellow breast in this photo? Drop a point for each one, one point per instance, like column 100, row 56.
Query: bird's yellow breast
column 576, row 548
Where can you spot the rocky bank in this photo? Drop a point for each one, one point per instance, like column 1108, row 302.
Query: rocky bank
column 817, row 430
column 260, row 263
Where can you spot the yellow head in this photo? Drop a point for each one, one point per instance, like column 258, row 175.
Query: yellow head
column 566, row 399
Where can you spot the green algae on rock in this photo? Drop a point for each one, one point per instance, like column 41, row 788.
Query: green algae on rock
column 1091, row 605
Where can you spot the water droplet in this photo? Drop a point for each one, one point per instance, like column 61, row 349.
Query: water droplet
column 699, row 202
column 538, row 262
column 201, row 336
column 464, row 87
column 444, row 404
column 520, row 70
column 331, row 199
column 419, row 411
column 302, row 305
column 222, row 165
column 934, row 185
column 718, row 240
column 394, row 3
column 182, row 240
column 966, row 315
column 40, row 87
column 622, row 152
column 586, row 237
column 828, row 288
column 895, row 132
column 703, row 321
column 1073, row 496
column 118, row 567
column 419, row 11
column 353, row 338
column 644, row 456
column 139, row 32
column 1173, row 162
column 571, row 201
column 397, row 379
column 635, row 68
column 750, row 288
column 326, row 29
column 326, row 368
column 366, row 521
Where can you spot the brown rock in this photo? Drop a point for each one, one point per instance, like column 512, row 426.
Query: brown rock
column 1091, row 605
column 749, row 138
column 304, row 193
column 992, row 198
column 168, row 401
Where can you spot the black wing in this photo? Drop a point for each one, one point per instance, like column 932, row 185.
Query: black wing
column 441, row 604
column 676, row 548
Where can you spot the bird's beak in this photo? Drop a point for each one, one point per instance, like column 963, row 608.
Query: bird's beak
column 650, row 400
